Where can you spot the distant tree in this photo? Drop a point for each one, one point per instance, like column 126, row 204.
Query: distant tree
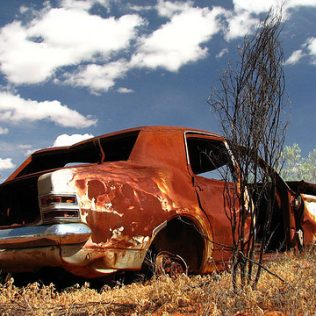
column 309, row 167
column 295, row 167
column 249, row 104
column 292, row 162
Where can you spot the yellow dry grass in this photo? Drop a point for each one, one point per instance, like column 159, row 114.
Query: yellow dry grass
column 195, row 295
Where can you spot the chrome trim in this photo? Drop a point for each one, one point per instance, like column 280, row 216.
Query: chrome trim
column 28, row 236
column 54, row 205
column 158, row 228
column 60, row 219
column 59, row 206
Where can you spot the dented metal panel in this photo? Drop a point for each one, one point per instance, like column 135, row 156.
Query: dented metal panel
column 127, row 199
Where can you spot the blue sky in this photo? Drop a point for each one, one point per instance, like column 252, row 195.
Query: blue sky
column 75, row 69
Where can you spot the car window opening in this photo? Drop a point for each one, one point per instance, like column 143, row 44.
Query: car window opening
column 208, row 158
column 118, row 148
column 113, row 148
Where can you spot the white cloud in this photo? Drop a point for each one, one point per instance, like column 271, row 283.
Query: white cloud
column 240, row 24
column 61, row 37
column 258, row 7
column 77, row 4
column 27, row 149
column 3, row 130
column 179, row 41
column 60, row 141
column 67, row 140
column 24, row 61
column 169, row 9
column 125, row 90
column 300, row 3
column 29, row 152
column 24, row 146
column 23, row 9
column 98, row 77
column 255, row 6
column 83, row 4
column 6, row 164
column 174, row 44
column 222, row 53
column 244, row 18
column 92, row 46
column 295, row 57
column 307, row 49
column 81, row 33
column 311, row 47
column 138, row 8
column 15, row 109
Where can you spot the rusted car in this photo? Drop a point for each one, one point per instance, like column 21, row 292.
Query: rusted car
column 104, row 204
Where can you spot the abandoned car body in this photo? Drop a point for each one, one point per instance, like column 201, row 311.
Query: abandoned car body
column 101, row 205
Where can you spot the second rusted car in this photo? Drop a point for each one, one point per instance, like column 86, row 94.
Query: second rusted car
column 102, row 205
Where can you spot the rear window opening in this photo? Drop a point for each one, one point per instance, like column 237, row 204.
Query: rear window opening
column 84, row 153
column 97, row 150
column 119, row 147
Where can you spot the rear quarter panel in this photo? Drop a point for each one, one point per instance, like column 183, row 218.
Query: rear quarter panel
column 126, row 203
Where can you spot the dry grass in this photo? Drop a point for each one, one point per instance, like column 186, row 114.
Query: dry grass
column 196, row 295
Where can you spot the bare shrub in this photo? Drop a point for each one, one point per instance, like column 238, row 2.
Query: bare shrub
column 249, row 104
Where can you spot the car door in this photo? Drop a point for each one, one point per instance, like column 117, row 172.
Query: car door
column 209, row 165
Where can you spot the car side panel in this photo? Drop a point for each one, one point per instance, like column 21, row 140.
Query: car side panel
column 125, row 204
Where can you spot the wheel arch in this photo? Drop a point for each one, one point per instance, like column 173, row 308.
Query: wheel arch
column 183, row 236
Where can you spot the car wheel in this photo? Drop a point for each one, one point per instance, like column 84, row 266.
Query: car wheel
column 167, row 263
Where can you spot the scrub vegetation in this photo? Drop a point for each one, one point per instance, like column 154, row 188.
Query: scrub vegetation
column 194, row 295
column 249, row 103
column 296, row 166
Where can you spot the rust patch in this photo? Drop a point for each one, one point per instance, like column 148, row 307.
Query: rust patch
column 81, row 184
column 95, row 188
column 124, row 201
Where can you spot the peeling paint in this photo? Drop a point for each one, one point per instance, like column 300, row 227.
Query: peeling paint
column 116, row 233
column 129, row 204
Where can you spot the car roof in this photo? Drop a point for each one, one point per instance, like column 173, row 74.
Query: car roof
column 154, row 128
column 143, row 129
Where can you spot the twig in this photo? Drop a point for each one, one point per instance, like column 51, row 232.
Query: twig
column 265, row 269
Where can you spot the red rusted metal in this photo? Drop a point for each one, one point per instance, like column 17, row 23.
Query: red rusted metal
column 128, row 204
